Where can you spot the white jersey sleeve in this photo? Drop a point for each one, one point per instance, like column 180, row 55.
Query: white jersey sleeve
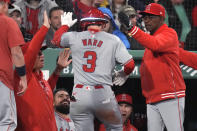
column 121, row 54
column 66, row 37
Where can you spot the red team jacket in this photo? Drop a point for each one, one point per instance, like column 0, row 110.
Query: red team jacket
column 161, row 77
column 35, row 108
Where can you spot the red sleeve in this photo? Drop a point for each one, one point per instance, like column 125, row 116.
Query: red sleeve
column 188, row 58
column 53, row 80
column 161, row 42
column 15, row 37
column 34, row 48
column 57, row 36
column 129, row 66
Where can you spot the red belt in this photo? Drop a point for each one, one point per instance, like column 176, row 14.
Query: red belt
column 96, row 87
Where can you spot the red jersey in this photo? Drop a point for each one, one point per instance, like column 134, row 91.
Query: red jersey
column 161, row 76
column 11, row 36
column 35, row 108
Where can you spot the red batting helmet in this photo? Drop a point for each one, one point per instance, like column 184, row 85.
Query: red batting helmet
column 93, row 17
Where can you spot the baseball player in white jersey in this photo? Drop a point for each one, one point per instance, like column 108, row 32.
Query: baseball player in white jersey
column 61, row 106
column 94, row 55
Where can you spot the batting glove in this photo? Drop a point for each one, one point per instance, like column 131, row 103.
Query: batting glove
column 120, row 78
column 66, row 19
column 125, row 21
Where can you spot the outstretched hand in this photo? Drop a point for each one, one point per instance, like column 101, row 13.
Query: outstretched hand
column 63, row 60
column 124, row 20
column 66, row 19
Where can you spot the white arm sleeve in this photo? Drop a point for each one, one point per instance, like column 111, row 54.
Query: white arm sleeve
column 122, row 55
column 65, row 39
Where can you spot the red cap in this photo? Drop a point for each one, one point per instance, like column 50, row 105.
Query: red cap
column 155, row 9
column 124, row 98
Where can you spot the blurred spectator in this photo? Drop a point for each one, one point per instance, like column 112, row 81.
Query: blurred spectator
column 61, row 102
column 97, row 3
column 189, row 6
column 112, row 28
column 66, row 5
column 105, row 4
column 81, row 7
column 10, row 54
column 191, row 40
column 176, row 17
column 131, row 13
column 116, row 6
column 139, row 5
column 194, row 16
column 55, row 22
column 15, row 12
column 32, row 13
column 125, row 103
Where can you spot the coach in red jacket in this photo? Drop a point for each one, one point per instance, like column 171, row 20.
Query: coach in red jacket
column 35, row 109
column 161, row 77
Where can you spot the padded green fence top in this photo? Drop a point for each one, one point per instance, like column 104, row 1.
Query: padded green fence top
column 51, row 56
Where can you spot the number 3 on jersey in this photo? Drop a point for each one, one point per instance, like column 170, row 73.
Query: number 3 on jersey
column 91, row 61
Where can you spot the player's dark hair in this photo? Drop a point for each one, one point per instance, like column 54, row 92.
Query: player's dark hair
column 59, row 89
column 54, row 9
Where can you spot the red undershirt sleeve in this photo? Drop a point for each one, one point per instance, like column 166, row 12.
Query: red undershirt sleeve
column 57, row 36
column 129, row 66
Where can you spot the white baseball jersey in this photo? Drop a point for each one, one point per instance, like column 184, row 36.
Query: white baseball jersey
column 64, row 124
column 94, row 56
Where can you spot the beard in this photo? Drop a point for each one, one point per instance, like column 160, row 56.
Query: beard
column 64, row 109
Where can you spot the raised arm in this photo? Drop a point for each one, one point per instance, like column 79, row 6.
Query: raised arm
column 35, row 45
column 67, row 22
column 63, row 62
column 162, row 42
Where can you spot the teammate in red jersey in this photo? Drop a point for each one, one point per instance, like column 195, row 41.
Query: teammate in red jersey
column 35, row 109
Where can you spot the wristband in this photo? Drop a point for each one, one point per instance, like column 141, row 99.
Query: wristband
column 21, row 70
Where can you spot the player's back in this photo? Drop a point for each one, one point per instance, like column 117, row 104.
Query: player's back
column 94, row 56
